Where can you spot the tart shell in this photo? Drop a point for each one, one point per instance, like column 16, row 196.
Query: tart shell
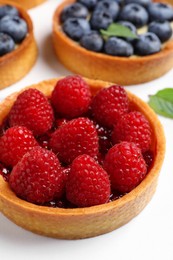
column 122, row 70
column 16, row 64
column 27, row 4
column 92, row 221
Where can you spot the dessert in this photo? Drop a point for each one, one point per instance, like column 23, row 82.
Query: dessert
column 85, row 42
column 18, row 50
column 25, row 3
column 65, row 185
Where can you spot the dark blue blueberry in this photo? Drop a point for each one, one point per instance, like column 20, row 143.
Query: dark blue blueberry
column 135, row 14
column 75, row 28
column 162, row 29
column 118, row 47
column 100, row 20
column 147, row 44
column 108, row 6
column 160, row 12
column 144, row 3
column 8, row 10
column 131, row 27
column 75, row 10
column 92, row 41
column 6, row 44
column 15, row 26
column 90, row 4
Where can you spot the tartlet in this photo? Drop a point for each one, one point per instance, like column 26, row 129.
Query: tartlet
column 92, row 221
column 121, row 70
column 25, row 3
column 16, row 64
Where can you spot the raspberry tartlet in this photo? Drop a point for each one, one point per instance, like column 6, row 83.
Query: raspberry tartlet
column 18, row 45
column 25, row 3
column 73, row 161
column 101, row 63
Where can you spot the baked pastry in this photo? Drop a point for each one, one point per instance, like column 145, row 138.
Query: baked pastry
column 16, row 64
column 98, row 65
column 75, row 223
column 25, row 3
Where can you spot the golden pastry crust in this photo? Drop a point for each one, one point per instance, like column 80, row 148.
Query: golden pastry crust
column 121, row 70
column 91, row 221
column 27, row 4
column 16, row 64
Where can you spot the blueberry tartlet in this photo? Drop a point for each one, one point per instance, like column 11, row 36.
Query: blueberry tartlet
column 105, row 39
column 25, row 3
column 77, row 169
column 18, row 50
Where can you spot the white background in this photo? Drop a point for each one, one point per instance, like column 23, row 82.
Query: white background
column 147, row 237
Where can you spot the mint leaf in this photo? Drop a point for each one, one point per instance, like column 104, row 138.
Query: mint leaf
column 118, row 30
column 162, row 102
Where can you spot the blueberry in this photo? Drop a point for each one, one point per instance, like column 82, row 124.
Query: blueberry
column 135, row 14
column 75, row 10
column 75, row 28
column 15, row 26
column 160, row 12
column 131, row 27
column 108, row 6
column 100, row 20
column 8, row 10
column 92, row 41
column 118, row 47
column 90, row 4
column 144, row 3
column 147, row 44
column 6, row 44
column 162, row 29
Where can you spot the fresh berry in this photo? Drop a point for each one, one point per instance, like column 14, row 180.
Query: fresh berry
column 160, row 12
column 71, row 97
column 90, row 4
column 75, row 10
column 77, row 137
column 135, row 14
column 8, row 10
column 6, row 44
column 104, row 135
column 32, row 109
column 75, row 28
column 163, row 30
column 144, row 3
column 118, row 47
column 126, row 166
column 149, row 158
column 108, row 6
column 15, row 26
column 109, row 104
column 100, row 20
column 15, row 142
column 37, row 177
column 92, row 41
column 133, row 127
column 87, row 184
column 147, row 44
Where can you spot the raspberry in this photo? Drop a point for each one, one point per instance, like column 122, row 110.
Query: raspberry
column 15, row 142
column 71, row 97
column 149, row 158
column 126, row 166
column 32, row 109
column 133, row 127
column 104, row 135
column 88, row 184
column 38, row 176
column 76, row 137
column 109, row 105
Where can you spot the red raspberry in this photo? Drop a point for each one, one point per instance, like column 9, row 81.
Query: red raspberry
column 38, row 176
column 133, row 127
column 32, row 109
column 126, row 166
column 77, row 137
column 109, row 105
column 88, row 184
column 71, row 97
column 15, row 142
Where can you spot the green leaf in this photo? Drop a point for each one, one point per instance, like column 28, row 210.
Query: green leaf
column 118, row 30
column 162, row 102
